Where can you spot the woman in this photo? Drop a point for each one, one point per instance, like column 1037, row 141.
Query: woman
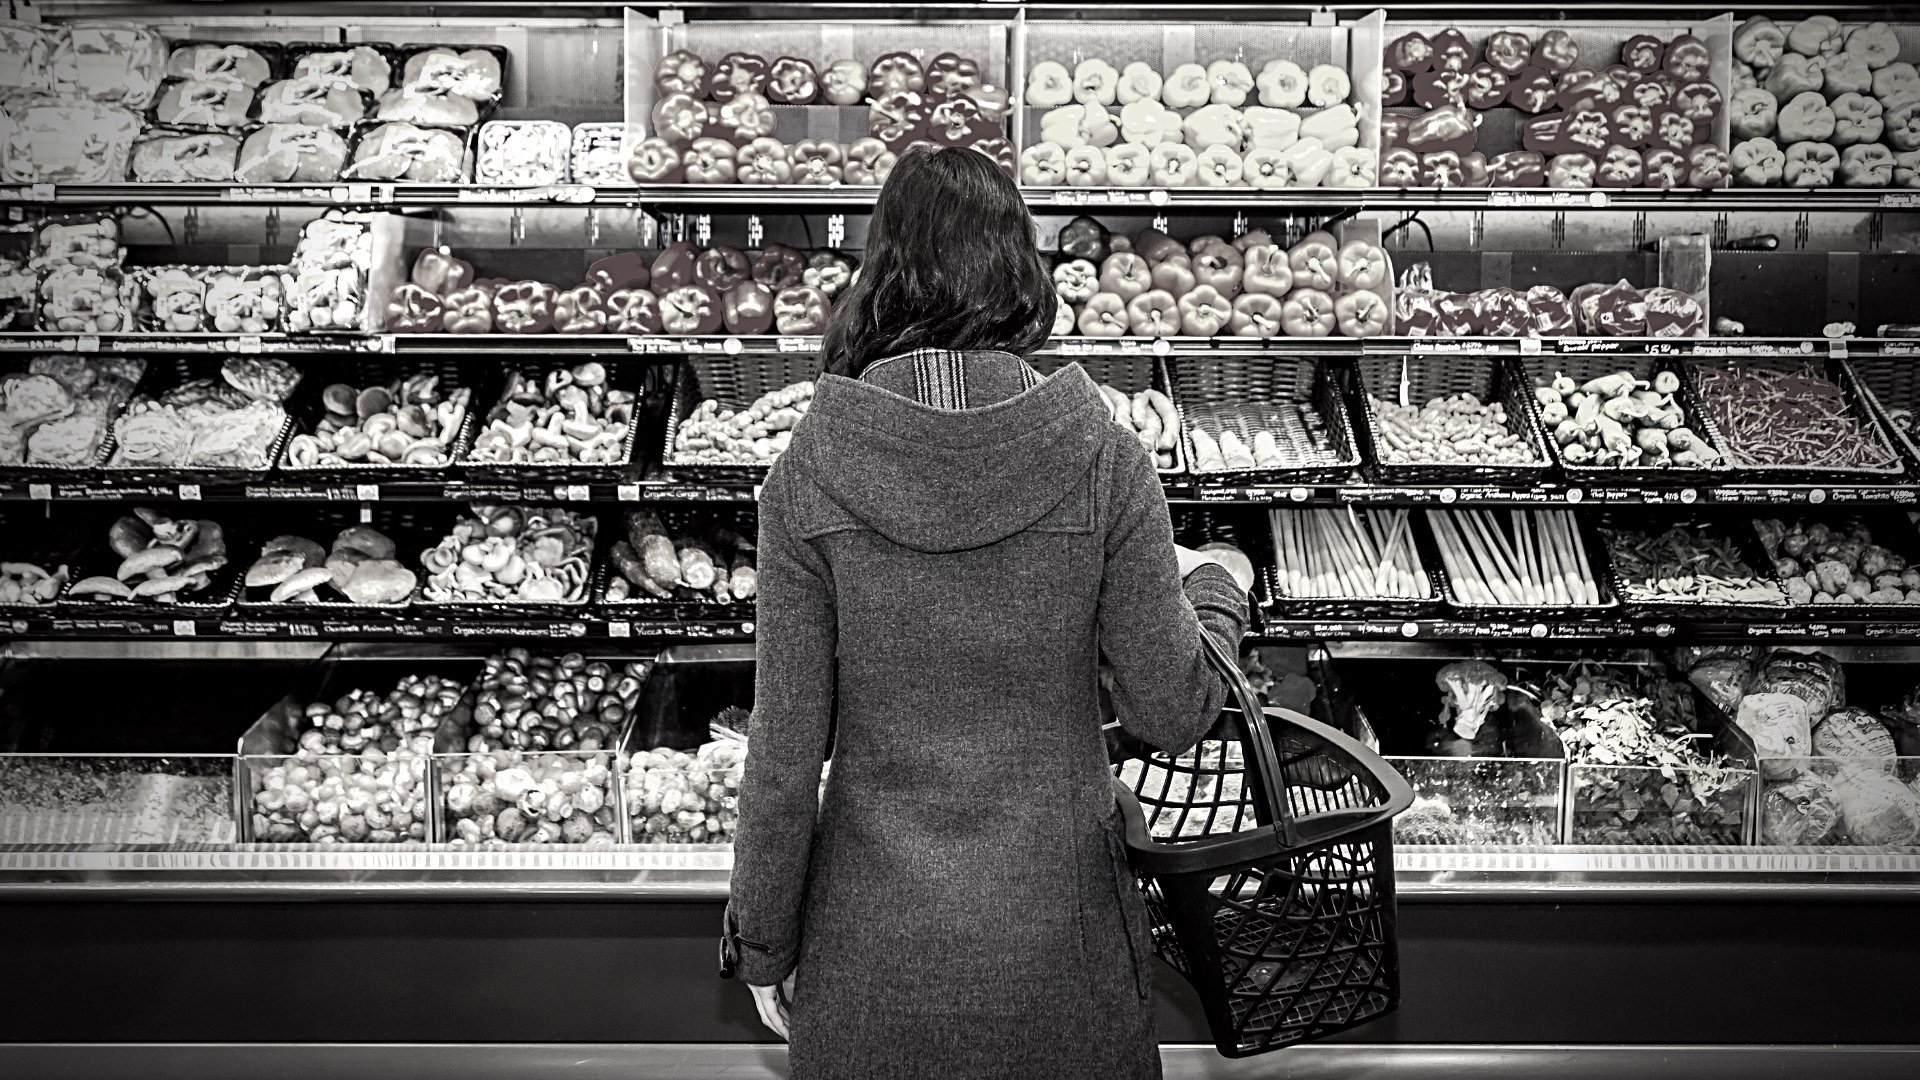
column 947, row 549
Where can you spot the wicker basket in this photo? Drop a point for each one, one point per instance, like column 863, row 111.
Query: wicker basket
column 32, row 471
column 1859, row 404
column 1597, row 564
column 360, row 372
column 1281, row 605
column 97, row 557
column 679, row 521
column 1416, row 381
column 735, row 382
column 1733, row 531
column 1887, row 383
column 623, row 373
column 412, row 528
column 1128, row 374
column 1580, row 369
column 164, row 374
column 1247, row 394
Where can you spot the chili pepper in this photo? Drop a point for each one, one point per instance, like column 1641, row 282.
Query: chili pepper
column 800, row 310
column 580, row 310
column 763, row 161
column 679, row 119
column 1666, row 168
column 869, row 162
column 1509, row 51
column 710, row 161
column 747, row 308
column 1796, row 417
column 626, row 270
column 736, row 74
column 721, row 268
column 1759, row 162
column 680, row 72
column 1517, row 169
column 655, row 161
column 437, row 271
column 467, row 311
column 1708, row 167
column 633, row 311
column 690, row 309
column 779, row 266
column 524, row 307
column 895, row 73
column 792, row 81
column 414, row 309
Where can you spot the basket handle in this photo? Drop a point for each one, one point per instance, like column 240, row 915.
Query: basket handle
column 1262, row 760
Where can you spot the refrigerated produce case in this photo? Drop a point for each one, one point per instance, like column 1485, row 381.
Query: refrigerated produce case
column 304, row 473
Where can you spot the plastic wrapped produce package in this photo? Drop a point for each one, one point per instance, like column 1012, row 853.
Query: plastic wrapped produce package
column 523, row 153
column 598, row 155
column 115, row 63
column 69, row 142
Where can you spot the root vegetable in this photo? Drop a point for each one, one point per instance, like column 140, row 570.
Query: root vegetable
column 1537, row 558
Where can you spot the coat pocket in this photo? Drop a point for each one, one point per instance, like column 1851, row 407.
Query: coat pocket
column 1133, row 911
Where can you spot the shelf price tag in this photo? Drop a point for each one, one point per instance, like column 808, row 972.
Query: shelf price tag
column 620, row 629
column 798, row 344
column 248, row 344
column 1529, row 346
column 41, row 193
column 367, row 492
column 189, row 492
column 574, row 493
column 87, row 343
column 1837, row 348
column 40, row 492
column 185, row 628
column 627, row 492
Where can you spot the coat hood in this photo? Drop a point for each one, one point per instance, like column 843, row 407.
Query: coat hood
column 939, row 480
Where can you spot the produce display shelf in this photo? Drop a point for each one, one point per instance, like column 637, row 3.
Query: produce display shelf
column 1189, row 490
column 1554, row 629
column 322, row 345
column 1467, row 199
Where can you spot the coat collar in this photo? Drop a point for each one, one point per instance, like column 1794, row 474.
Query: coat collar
column 952, row 380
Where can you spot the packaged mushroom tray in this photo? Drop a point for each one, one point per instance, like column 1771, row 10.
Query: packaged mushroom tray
column 59, row 412
column 1244, row 107
column 1641, row 424
column 1454, row 420
column 1263, row 420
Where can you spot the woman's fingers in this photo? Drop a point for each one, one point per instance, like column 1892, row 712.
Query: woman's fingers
column 773, row 1011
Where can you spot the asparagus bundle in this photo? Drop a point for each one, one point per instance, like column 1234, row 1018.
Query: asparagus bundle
column 1349, row 554
column 1537, row 558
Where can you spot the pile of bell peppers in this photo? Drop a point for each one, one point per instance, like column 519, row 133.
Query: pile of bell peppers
column 1818, row 104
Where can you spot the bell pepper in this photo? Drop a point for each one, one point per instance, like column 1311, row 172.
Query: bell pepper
column 1794, row 74
column 1445, row 169
column 1173, row 165
column 1758, row 162
column 1571, row 171
column 721, row 268
column 1086, row 167
column 467, row 311
column 414, row 309
column 869, row 163
column 1620, row 311
column 1759, row 42
column 632, row 312
column 816, row 162
column 1314, row 261
column 1903, row 125
column 1186, row 87
column 950, row 76
column 1807, row 118
column 1509, row 52
column 1125, row 275
column 1643, row 52
column 893, row 73
column 1432, row 89
column 1906, row 169
column 1308, row 313
column 1154, row 313
column 1148, row 123
column 1846, row 74
column 1545, row 134
column 1399, row 168
column 1204, row 312
column 1632, row 124
column 1173, row 274
column 1584, row 89
column 1219, row 166
column 1868, row 165
column 1353, row 167
column 1128, row 165
column 829, row 271
column 580, row 310
column 1063, row 318
column 709, row 161
column 1811, row 165
column 672, row 268
column 1744, row 77
column 1394, row 88
column 1856, row 120
column 1473, row 168
column 1084, row 238
column 524, row 307
column 690, row 309
column 1753, row 114
column 763, row 161
column 897, row 119
column 792, row 81
column 736, row 74
column 779, row 267
column 999, row 150
column 1532, row 90
column 1874, row 44
column 747, row 117
column 957, row 122
column 1451, row 51
column 1687, row 59
column 1258, row 315
column 1155, row 246
column 1449, row 128
column 1411, row 53
column 1219, row 267
column 1486, row 87
column 680, row 72
column 1282, row 84
column 1672, row 131
column 1360, row 265
column 801, row 310
column 1586, row 132
column 679, row 119
column 1335, row 126
column 1896, row 85
column 1213, row 125
column 1556, row 52
column 1665, row 169
column 1075, row 281
column 1699, row 102
column 1361, row 314
column 655, row 161
column 843, row 82
column 1656, row 91
column 1708, row 167
column 1817, row 35
column 437, row 271
column 1042, row 165
column 626, row 270
column 1305, row 164
column 1104, row 316
column 1517, row 169
column 1229, row 82
column 747, row 308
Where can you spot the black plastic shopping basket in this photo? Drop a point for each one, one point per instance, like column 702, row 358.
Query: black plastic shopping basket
column 1266, row 854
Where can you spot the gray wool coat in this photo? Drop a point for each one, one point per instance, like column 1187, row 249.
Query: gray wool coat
column 937, row 587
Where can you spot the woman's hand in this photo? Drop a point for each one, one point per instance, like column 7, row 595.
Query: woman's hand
column 1240, row 568
column 772, row 1001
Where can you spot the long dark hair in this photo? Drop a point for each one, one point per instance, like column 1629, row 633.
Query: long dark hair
column 950, row 264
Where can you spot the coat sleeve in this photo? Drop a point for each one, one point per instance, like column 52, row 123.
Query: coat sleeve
column 1150, row 620
column 787, row 742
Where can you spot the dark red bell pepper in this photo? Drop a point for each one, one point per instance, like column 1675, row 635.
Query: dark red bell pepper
column 1666, row 168
column 1584, row 89
column 1545, row 134
column 951, row 75
column 1452, row 127
column 829, row 271
column 626, row 270
column 690, row 309
column 1411, row 53
column 816, row 161
column 1699, row 101
column 1687, row 59
column 1451, row 52
column 747, row 117
column 1433, row 89
column 957, row 122
column 721, row 268
column 1509, row 52
column 1532, row 91
column 800, row 310
column 1632, row 124
column 897, row 119
column 414, row 309
column 1643, row 52
column 679, row 119
column 1399, row 168
column 893, row 73
column 1655, row 90
column 1394, row 87
column 779, row 266
column 524, row 307
column 1442, row 170
column 1000, row 149
column 792, row 81
column 1672, row 131
column 1708, row 167
column 1517, row 169
column 1586, row 132
column 1486, row 87
column 748, row 308
column 710, row 161
column 672, row 268
column 580, row 310
column 736, row 74
column 437, row 271
column 680, row 72
column 1549, row 312
column 1393, row 129
column 1571, row 171
column 633, row 311
column 467, row 311
column 1621, row 167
